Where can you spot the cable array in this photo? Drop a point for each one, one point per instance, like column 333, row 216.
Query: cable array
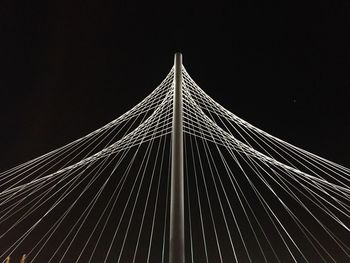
column 41, row 197
column 249, row 196
column 302, row 199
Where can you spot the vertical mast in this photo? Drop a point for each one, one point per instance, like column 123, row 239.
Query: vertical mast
column 177, row 221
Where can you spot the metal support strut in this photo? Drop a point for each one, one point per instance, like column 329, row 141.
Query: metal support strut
column 177, row 221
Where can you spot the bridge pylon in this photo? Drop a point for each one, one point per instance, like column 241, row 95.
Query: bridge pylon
column 177, row 218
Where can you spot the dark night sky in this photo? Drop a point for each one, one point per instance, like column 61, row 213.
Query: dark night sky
column 68, row 67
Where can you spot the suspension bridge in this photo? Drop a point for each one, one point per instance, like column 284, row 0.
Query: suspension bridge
column 178, row 178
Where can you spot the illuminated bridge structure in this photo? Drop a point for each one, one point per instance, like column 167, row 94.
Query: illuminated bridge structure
column 178, row 178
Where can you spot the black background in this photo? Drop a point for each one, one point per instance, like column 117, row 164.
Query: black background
column 68, row 67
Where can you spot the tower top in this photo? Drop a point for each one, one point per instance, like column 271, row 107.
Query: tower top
column 178, row 56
